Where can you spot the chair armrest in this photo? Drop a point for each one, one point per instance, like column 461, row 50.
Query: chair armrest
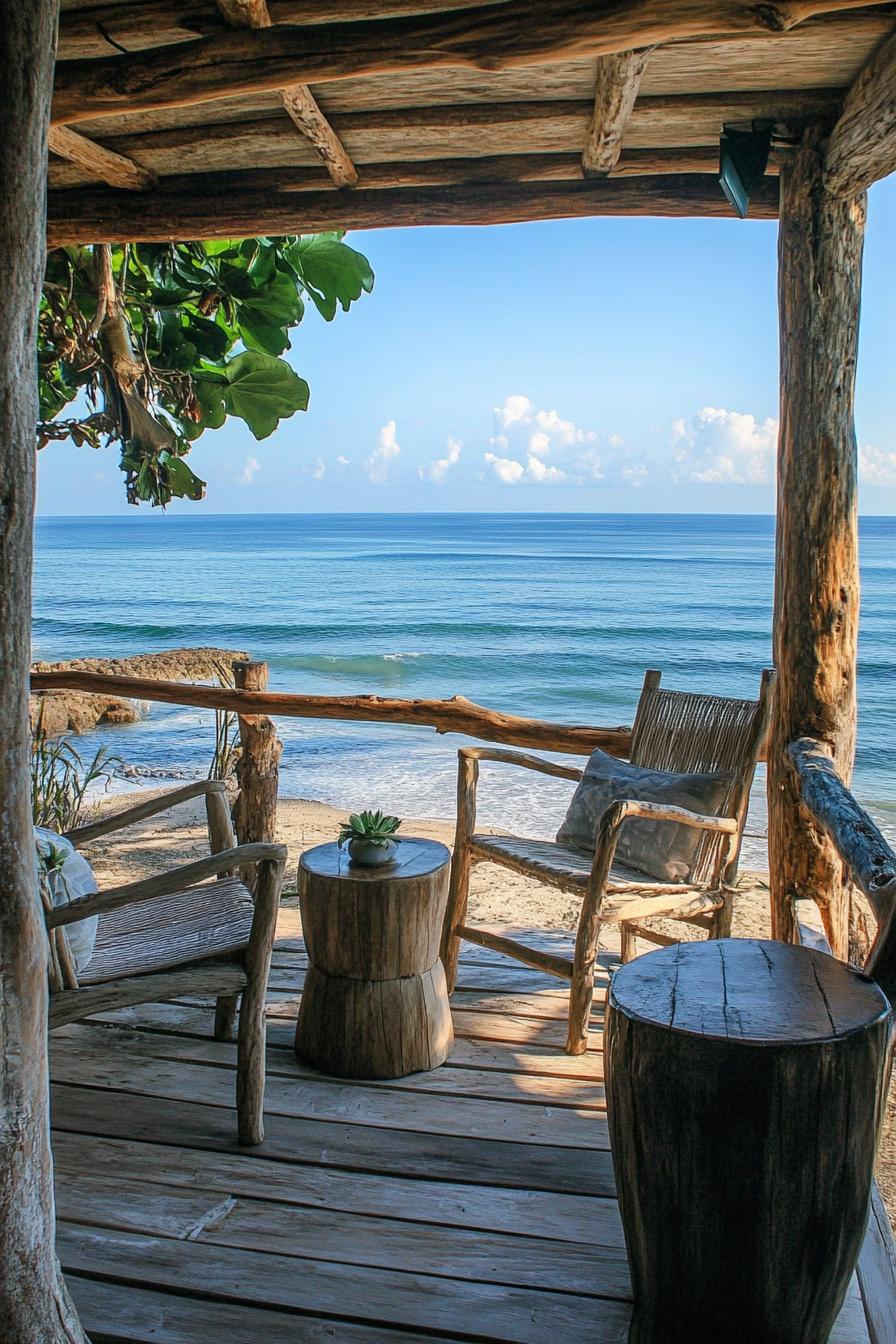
column 187, row 875
column 106, row 825
column 666, row 812
column 623, row 809
column 521, row 758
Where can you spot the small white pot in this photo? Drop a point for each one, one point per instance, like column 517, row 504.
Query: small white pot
column 371, row 855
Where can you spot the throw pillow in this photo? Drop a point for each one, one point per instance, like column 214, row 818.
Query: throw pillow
column 665, row 850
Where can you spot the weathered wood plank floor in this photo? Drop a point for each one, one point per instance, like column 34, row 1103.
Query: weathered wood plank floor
column 472, row 1203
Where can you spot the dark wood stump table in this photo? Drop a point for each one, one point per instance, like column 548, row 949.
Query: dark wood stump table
column 745, row 1086
column 375, row 1002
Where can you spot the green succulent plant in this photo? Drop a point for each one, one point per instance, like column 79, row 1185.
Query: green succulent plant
column 374, row 827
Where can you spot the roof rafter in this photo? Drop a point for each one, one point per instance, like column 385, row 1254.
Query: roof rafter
column 297, row 99
column 489, row 37
column 616, row 88
column 862, row 145
column 118, row 170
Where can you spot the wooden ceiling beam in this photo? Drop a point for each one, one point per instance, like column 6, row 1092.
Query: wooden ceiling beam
column 862, row 146
column 431, row 134
column 616, row 89
column 498, row 168
column 100, row 215
column 298, row 100
column 489, row 37
column 109, row 166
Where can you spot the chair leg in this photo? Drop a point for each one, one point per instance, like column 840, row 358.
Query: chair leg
column 721, row 924
column 461, row 862
column 225, row 1017
column 252, row 1033
column 629, row 943
column 455, row 913
column 581, row 993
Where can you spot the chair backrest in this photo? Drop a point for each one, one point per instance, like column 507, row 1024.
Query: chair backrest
column 694, row 733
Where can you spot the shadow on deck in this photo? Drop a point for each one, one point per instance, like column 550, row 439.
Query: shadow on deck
column 475, row 1202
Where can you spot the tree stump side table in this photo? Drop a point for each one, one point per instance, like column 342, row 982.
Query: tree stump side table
column 375, row 1002
column 745, row 1085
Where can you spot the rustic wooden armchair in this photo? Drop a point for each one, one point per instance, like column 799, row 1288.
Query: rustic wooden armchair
column 673, row 730
column 178, row 933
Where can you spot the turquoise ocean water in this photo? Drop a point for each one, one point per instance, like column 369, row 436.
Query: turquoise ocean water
column 545, row 615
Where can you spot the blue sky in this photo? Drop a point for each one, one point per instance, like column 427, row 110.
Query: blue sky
column 587, row 365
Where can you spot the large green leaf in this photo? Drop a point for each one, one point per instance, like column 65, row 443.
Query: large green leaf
column 263, row 391
column 331, row 271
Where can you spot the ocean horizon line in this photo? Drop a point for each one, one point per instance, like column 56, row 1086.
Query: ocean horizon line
column 425, row 513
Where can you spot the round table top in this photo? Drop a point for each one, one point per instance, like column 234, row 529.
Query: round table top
column 413, row 858
column 749, row 991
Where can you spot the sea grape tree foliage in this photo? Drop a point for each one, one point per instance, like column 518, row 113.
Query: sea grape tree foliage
column 158, row 343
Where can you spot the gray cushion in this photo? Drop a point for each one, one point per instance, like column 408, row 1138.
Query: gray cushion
column 71, row 882
column 661, row 849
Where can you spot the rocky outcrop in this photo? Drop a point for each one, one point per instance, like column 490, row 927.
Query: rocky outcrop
column 75, row 712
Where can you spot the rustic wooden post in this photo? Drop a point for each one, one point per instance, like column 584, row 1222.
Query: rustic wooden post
column 34, row 1305
column 816, row 574
column 257, row 771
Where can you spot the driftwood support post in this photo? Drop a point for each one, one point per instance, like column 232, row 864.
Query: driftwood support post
column 257, row 772
column 745, row 1088
column 816, row 573
column 34, row 1305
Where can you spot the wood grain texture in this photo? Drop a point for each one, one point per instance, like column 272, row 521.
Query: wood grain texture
column 302, row 107
column 778, row 1052
column 375, row 1003
column 340, row 1227
column 428, row 135
column 862, row 145
column 118, row 170
column 91, row 216
column 298, row 99
column 859, row 843
column 455, row 715
column 877, row 1273
column 816, row 566
column 258, row 767
column 496, row 36
column 100, row 29
column 34, row 1303
column 618, row 83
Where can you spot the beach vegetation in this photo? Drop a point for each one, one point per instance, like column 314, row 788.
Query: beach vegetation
column 150, row 345
column 61, row 780
column 227, row 749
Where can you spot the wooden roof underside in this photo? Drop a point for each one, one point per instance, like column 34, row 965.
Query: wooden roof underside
column 197, row 113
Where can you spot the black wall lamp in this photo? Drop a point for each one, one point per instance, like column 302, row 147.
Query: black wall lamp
column 743, row 156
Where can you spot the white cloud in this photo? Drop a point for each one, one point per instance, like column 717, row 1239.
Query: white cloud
column 342, row 461
column 377, row 464
column 506, row 468
column 512, row 472
column 516, row 410
column 438, row 470
column 527, row 437
column 877, row 466
column 250, row 469
column 724, row 447
column 317, row 471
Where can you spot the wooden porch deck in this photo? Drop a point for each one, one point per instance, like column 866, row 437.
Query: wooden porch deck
column 476, row 1202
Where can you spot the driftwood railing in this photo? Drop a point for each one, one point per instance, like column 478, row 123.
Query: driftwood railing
column 257, row 772
column 860, row 844
column 872, row 866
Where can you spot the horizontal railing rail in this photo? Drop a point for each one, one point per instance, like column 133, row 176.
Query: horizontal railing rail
column 457, row 715
column 859, row 842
